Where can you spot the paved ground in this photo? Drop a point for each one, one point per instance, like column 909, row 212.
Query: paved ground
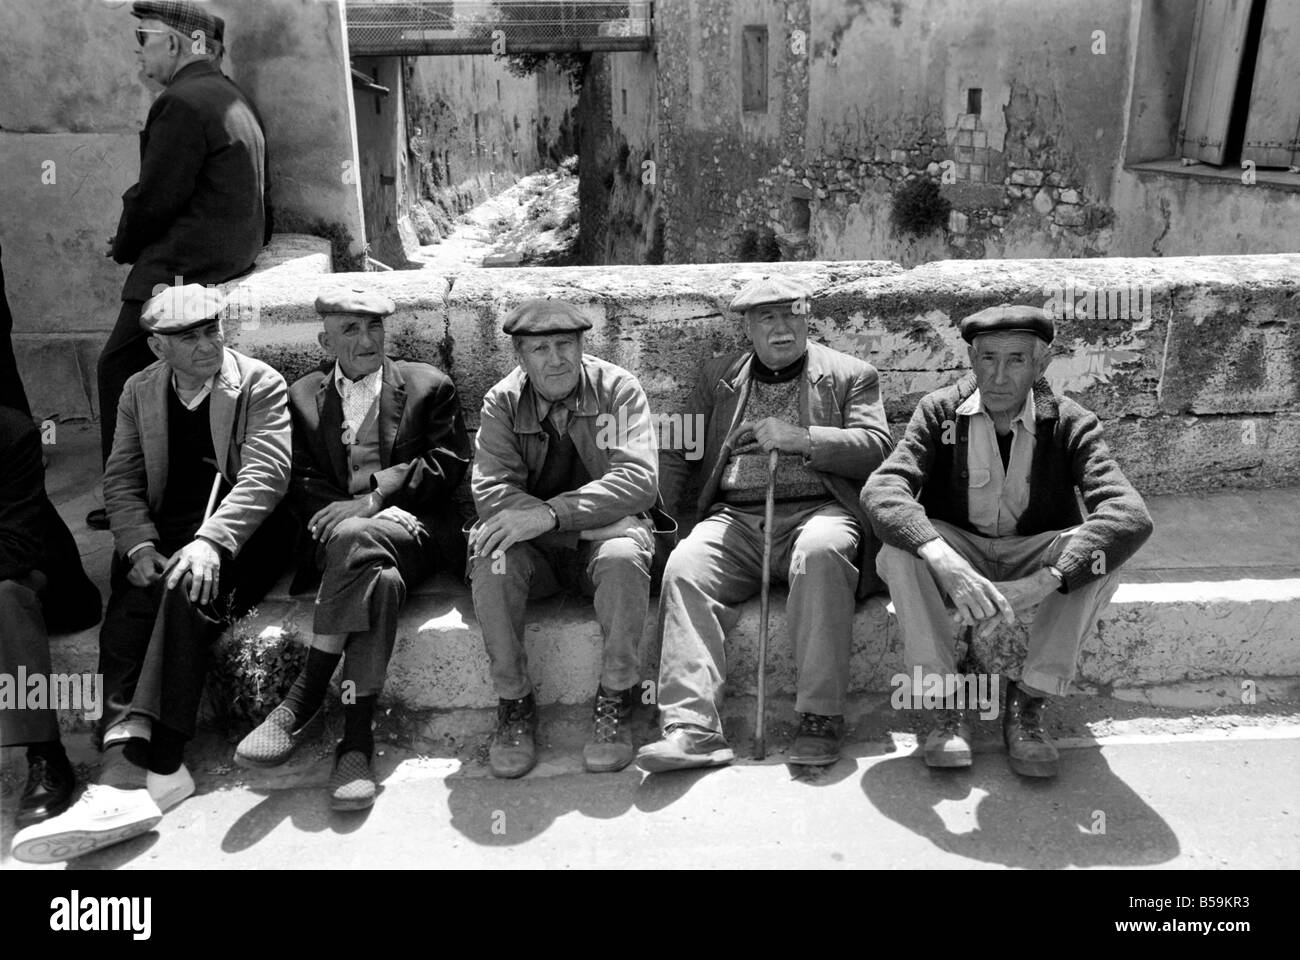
column 1203, row 800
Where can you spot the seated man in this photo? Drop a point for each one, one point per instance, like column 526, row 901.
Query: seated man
column 978, row 504
column 201, row 418
column 42, row 585
column 378, row 449
column 562, row 501
column 821, row 410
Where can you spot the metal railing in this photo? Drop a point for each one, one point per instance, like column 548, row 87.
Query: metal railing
column 407, row 27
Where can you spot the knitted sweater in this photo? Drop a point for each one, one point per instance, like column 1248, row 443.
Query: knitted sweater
column 926, row 478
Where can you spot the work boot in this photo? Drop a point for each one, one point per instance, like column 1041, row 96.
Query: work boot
column 514, row 745
column 817, row 744
column 682, row 747
column 1030, row 750
column 50, row 783
column 611, row 746
column 948, row 744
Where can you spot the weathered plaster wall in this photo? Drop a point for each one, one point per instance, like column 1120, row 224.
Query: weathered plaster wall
column 385, row 173
column 1192, row 367
column 72, row 109
column 866, row 96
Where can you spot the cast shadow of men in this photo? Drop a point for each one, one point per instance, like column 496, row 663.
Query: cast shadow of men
column 990, row 814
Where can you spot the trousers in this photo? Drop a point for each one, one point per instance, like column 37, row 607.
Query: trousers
column 125, row 353
column 1060, row 625
column 24, row 643
column 615, row 573
column 719, row 566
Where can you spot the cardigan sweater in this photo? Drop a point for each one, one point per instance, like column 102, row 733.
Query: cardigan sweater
column 926, row 477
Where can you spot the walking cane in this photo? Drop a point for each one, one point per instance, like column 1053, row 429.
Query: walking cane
column 760, row 737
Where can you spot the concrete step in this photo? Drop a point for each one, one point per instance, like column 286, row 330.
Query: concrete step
column 1214, row 594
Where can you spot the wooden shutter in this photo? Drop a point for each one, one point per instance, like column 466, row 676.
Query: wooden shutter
column 1212, row 72
column 1273, row 123
column 753, row 69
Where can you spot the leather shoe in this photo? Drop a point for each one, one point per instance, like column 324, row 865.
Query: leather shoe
column 514, row 744
column 611, row 746
column 949, row 743
column 817, row 744
column 50, row 784
column 1030, row 751
column 682, row 747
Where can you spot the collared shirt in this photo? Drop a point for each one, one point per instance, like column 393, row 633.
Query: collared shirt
column 204, row 391
column 998, row 496
column 358, row 397
column 561, row 417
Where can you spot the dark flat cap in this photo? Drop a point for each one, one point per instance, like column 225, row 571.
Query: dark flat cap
column 181, row 15
column 354, row 300
column 774, row 289
column 177, row 309
column 1006, row 317
column 537, row 317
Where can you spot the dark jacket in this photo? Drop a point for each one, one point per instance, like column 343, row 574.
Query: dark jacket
column 926, row 477
column 839, row 404
column 424, row 451
column 32, row 534
column 197, row 211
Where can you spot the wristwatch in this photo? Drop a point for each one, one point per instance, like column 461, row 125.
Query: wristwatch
column 1059, row 576
column 554, row 516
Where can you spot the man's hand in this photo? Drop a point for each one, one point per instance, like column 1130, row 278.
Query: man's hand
column 977, row 601
column 494, row 537
column 773, row 434
column 202, row 560
column 147, row 567
column 323, row 522
column 638, row 528
column 396, row 514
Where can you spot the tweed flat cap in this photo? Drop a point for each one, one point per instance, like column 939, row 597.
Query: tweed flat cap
column 181, row 15
column 177, row 309
column 537, row 317
column 354, row 300
column 769, row 289
column 1033, row 320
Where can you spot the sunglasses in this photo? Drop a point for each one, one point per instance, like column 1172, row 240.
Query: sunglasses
column 141, row 34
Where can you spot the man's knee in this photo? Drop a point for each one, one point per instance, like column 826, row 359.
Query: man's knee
column 515, row 565
column 346, row 535
column 15, row 594
column 892, row 560
column 620, row 557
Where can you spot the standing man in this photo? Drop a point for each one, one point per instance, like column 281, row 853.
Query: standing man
column 42, row 586
column 378, row 450
column 562, row 500
column 202, row 419
column 821, row 410
column 198, row 210
column 978, row 505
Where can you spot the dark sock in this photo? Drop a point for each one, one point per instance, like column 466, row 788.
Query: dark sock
column 120, row 770
column 167, row 750
column 356, row 725
column 308, row 691
column 51, row 751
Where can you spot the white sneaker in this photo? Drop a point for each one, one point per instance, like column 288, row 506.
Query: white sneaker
column 170, row 789
column 102, row 817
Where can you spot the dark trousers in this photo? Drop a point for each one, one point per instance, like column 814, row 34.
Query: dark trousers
column 126, row 352
column 24, row 643
column 11, row 384
column 367, row 567
column 155, row 644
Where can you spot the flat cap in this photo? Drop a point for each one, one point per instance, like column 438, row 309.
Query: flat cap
column 177, row 309
column 353, row 300
column 537, row 317
column 769, row 289
column 181, row 15
column 1024, row 319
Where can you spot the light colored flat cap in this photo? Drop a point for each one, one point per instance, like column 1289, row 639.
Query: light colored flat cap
column 353, row 300
column 177, row 309
column 774, row 289
column 537, row 317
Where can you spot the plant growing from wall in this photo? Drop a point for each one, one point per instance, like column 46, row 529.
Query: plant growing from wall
column 251, row 673
column 339, row 236
column 919, row 208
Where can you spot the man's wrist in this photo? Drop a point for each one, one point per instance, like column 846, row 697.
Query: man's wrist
column 131, row 554
column 1056, row 576
column 555, row 517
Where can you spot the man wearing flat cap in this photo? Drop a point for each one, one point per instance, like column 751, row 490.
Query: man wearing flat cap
column 200, row 463
column 198, row 210
column 977, row 505
column 820, row 410
column 564, row 481
column 379, row 447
